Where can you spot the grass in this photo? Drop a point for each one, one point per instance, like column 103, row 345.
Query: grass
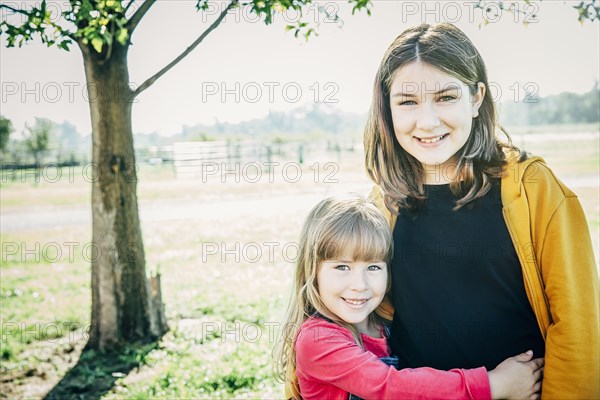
column 222, row 316
column 212, row 349
column 223, row 312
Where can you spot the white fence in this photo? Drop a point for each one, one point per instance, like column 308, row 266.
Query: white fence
column 191, row 159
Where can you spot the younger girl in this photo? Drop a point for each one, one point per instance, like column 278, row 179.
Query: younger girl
column 334, row 333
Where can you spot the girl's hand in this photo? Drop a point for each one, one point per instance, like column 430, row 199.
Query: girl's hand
column 517, row 377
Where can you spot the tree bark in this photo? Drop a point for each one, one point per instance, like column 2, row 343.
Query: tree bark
column 126, row 307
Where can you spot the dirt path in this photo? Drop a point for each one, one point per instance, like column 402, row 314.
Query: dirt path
column 170, row 210
column 194, row 210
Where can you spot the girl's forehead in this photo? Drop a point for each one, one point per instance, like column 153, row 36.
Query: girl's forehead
column 418, row 77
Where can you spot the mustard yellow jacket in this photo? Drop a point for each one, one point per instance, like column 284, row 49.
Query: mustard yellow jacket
column 551, row 237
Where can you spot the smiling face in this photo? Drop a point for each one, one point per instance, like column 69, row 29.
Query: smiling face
column 352, row 289
column 432, row 113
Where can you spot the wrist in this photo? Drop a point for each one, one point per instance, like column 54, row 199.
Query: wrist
column 495, row 386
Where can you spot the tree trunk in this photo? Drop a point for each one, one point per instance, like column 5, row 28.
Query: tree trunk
column 126, row 307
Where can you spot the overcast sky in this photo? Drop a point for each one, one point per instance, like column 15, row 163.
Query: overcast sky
column 244, row 68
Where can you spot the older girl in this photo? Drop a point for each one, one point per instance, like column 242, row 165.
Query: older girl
column 492, row 252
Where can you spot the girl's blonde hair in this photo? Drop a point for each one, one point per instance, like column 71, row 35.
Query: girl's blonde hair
column 481, row 159
column 333, row 227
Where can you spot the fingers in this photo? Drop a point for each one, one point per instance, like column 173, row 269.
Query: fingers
column 537, row 387
column 537, row 390
column 536, row 364
column 524, row 357
column 537, row 375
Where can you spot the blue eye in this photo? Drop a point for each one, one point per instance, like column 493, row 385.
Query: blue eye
column 374, row 268
column 342, row 267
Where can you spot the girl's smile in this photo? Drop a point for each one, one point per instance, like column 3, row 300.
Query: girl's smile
column 356, row 302
column 431, row 140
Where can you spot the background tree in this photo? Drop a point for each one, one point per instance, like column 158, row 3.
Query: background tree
column 562, row 108
column 126, row 306
column 67, row 141
column 38, row 138
column 6, row 129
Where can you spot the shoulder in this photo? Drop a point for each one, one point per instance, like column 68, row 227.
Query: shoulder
column 316, row 332
column 377, row 198
column 535, row 180
column 320, row 342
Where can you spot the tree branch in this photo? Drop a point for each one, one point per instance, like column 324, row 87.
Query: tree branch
column 15, row 10
column 138, row 15
column 127, row 6
column 160, row 73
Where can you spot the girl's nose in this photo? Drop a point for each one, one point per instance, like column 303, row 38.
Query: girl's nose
column 427, row 118
column 359, row 282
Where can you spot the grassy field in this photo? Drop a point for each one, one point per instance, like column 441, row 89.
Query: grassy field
column 223, row 305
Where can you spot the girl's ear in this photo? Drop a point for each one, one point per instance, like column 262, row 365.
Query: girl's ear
column 477, row 98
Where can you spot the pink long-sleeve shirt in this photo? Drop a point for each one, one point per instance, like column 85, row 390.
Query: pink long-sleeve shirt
column 330, row 365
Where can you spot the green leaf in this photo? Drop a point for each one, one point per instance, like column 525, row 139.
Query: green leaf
column 122, row 36
column 202, row 5
column 311, row 31
column 65, row 45
column 97, row 44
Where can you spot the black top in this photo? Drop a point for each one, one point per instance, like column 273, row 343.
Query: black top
column 458, row 287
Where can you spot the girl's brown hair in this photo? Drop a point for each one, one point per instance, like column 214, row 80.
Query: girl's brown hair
column 480, row 160
column 332, row 227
